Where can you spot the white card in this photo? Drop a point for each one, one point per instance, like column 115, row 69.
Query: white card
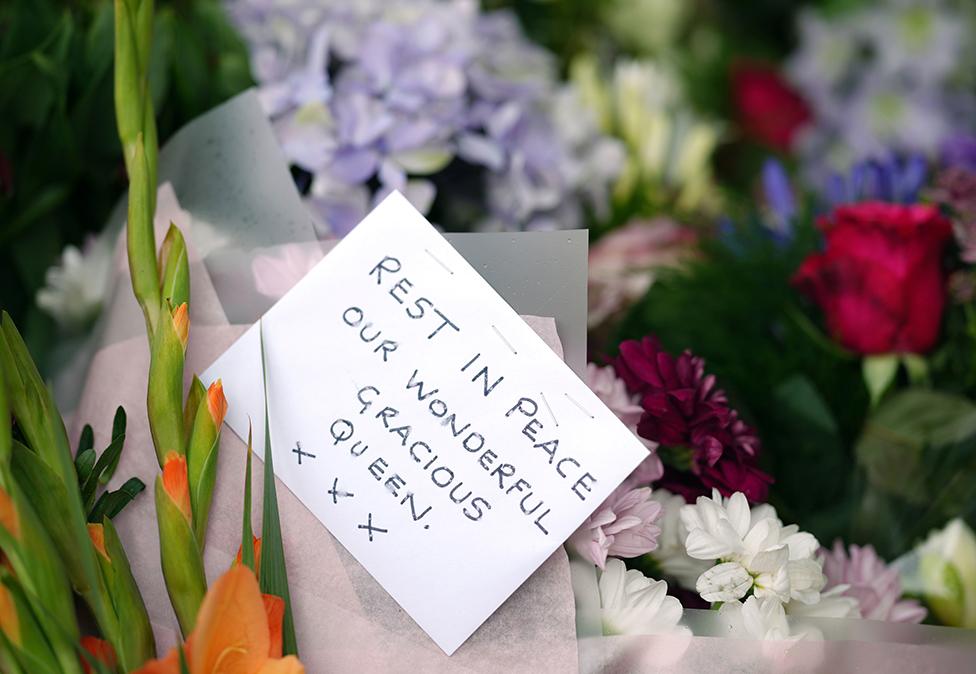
column 433, row 433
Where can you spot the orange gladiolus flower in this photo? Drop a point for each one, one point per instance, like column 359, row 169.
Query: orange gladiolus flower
column 97, row 534
column 237, row 632
column 257, row 555
column 181, row 323
column 9, row 620
column 217, row 403
column 176, row 483
column 100, row 650
column 8, row 514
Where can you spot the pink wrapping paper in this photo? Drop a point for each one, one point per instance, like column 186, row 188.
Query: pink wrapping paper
column 345, row 621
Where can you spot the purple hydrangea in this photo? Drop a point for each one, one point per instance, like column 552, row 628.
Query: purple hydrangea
column 374, row 96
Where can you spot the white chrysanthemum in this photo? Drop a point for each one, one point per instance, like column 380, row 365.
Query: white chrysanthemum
column 753, row 549
column 75, row 288
column 630, row 603
column 671, row 556
column 832, row 604
column 754, row 618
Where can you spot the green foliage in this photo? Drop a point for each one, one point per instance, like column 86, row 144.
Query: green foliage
column 918, row 451
column 61, row 168
column 273, row 577
column 736, row 308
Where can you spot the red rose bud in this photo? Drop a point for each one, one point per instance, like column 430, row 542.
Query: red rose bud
column 176, row 483
column 879, row 280
column 767, row 108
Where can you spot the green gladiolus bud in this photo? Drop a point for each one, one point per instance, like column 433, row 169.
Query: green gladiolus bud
column 181, row 559
column 165, row 398
column 136, row 641
column 202, row 456
column 174, row 268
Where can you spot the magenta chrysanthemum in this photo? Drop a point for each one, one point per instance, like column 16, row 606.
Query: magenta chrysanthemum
column 684, row 409
column 874, row 584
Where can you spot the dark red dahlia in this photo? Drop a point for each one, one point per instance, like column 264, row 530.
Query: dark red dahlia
column 685, row 412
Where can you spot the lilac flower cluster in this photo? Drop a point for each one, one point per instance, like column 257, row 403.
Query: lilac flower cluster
column 887, row 78
column 387, row 94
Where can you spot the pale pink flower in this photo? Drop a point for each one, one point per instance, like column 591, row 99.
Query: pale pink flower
column 623, row 263
column 875, row 585
column 612, row 391
column 625, row 525
column 276, row 273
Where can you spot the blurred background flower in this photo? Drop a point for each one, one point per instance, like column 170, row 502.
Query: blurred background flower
column 413, row 94
column 893, row 76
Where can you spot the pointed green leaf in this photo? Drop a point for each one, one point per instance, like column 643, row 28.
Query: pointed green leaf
column 118, row 431
column 247, row 534
column 109, row 457
column 87, row 439
column 196, row 393
column 111, row 503
column 137, row 638
column 84, row 463
column 202, row 493
column 274, row 576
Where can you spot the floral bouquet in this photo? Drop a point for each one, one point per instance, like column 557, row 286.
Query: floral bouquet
column 781, row 293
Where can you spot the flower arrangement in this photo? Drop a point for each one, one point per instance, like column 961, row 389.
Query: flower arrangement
column 781, row 292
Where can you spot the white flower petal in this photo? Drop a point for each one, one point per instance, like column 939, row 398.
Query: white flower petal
column 724, row 582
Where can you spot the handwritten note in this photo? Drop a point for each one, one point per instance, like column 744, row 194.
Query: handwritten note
column 433, row 433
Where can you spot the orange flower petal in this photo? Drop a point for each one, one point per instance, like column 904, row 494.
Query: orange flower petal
column 274, row 607
column 9, row 620
column 289, row 665
column 231, row 636
column 257, row 555
column 176, row 483
column 167, row 665
column 97, row 534
column 101, row 650
column 181, row 322
column 8, row 514
column 217, row 403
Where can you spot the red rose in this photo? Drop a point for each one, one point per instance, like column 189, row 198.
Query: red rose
column 879, row 280
column 767, row 108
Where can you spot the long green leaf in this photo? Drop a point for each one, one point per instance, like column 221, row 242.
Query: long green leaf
column 274, row 576
column 247, row 533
